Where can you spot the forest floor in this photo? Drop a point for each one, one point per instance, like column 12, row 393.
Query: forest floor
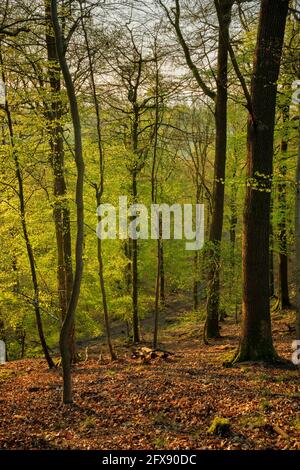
column 164, row 404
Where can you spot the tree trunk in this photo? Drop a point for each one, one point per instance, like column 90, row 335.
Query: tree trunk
column 162, row 294
column 215, row 234
column 271, row 255
column 232, row 232
column 61, row 211
column 297, row 238
column 69, row 319
column 134, row 242
column 196, row 255
column 99, row 190
column 256, row 338
column 196, row 281
column 104, row 299
column 134, row 251
column 157, row 288
column 283, row 248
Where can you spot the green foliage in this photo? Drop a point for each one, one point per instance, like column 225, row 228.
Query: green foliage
column 185, row 156
column 219, row 426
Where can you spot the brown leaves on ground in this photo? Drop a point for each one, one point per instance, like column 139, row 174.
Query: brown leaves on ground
column 166, row 403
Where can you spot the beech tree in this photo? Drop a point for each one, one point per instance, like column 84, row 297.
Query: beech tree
column 68, row 322
column 54, row 110
column 256, row 338
column 98, row 186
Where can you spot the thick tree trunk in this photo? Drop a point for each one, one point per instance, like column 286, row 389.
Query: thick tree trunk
column 68, row 322
column 256, row 338
column 215, row 235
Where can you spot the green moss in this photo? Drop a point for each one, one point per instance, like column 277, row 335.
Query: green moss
column 160, row 443
column 296, row 424
column 6, row 374
column 219, row 426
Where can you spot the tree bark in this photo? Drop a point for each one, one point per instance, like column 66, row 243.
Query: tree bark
column 69, row 320
column 99, row 188
column 256, row 337
column 134, row 251
column 232, row 233
column 297, row 237
column 61, row 211
column 134, row 243
column 196, row 254
column 271, row 255
column 283, row 247
column 162, row 294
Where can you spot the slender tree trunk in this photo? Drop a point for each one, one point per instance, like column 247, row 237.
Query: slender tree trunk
column 256, row 338
column 134, row 251
column 99, row 191
column 157, row 289
column 68, row 322
column 134, row 243
column 104, row 298
column 271, row 254
column 196, row 281
column 61, row 211
column 297, row 237
column 283, row 248
column 128, row 255
column 162, row 293
column 232, row 232
column 215, row 235
column 196, row 256
column 29, row 249
column 155, row 166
